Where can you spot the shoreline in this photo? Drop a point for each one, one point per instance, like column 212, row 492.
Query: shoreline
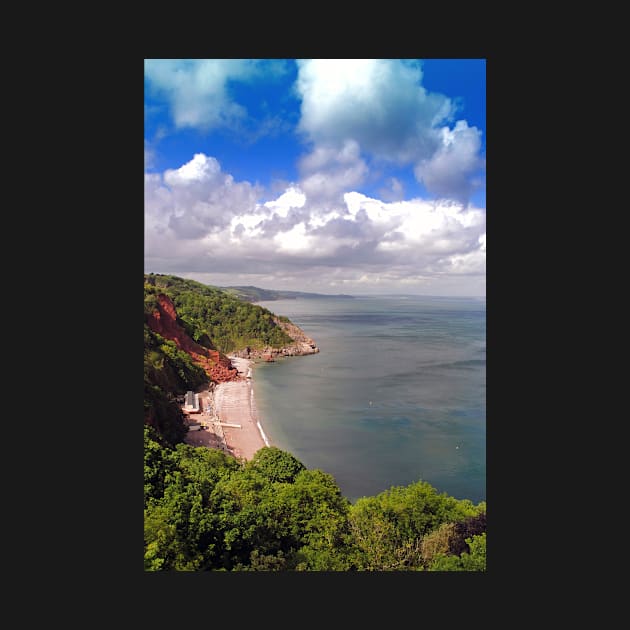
column 233, row 403
column 228, row 416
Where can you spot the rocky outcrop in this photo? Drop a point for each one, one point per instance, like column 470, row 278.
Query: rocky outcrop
column 302, row 345
column 164, row 322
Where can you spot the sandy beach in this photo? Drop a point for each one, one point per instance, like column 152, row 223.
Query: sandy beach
column 230, row 403
column 234, row 404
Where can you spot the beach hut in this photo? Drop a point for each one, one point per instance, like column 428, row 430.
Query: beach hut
column 191, row 402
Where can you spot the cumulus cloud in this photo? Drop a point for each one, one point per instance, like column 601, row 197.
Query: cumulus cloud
column 354, row 114
column 291, row 198
column 197, row 89
column 196, row 199
column 380, row 106
column 200, row 221
column 448, row 171
column 328, row 171
column 379, row 103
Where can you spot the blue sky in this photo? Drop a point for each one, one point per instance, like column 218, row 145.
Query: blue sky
column 353, row 176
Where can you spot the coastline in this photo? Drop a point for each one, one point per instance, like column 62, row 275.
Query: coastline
column 228, row 418
column 234, row 404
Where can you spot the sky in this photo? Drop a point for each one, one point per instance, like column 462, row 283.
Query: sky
column 355, row 176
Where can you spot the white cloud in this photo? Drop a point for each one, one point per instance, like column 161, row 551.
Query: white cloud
column 380, row 103
column 200, row 169
column 421, row 230
column 291, row 198
column 329, row 171
column 448, row 171
column 196, row 89
column 381, row 106
column 198, row 220
column 295, row 240
column 196, row 199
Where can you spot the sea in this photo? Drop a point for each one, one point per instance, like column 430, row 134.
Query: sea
column 397, row 393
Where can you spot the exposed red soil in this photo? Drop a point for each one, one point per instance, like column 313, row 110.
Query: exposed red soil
column 164, row 322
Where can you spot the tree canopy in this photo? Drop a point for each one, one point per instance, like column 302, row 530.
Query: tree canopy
column 205, row 510
column 215, row 318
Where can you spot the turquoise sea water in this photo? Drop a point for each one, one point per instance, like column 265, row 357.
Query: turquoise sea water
column 396, row 394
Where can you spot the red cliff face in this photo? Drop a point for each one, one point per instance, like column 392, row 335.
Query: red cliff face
column 164, row 322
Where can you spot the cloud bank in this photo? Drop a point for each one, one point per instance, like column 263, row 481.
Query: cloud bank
column 201, row 223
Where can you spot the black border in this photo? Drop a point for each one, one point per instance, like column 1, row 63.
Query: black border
column 113, row 217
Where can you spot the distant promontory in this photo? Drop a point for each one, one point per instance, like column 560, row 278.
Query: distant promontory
column 255, row 294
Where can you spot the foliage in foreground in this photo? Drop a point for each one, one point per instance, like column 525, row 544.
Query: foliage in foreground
column 205, row 510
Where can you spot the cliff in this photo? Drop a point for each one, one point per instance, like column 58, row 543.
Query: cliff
column 163, row 320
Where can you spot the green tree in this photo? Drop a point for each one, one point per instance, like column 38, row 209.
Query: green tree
column 313, row 516
column 163, row 414
column 388, row 529
column 157, row 465
column 473, row 561
column 164, row 547
column 276, row 465
column 213, row 317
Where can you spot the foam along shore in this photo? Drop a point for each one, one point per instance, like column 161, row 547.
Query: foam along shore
column 234, row 404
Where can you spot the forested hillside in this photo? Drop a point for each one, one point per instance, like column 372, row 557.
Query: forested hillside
column 207, row 511
column 217, row 320
column 255, row 294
